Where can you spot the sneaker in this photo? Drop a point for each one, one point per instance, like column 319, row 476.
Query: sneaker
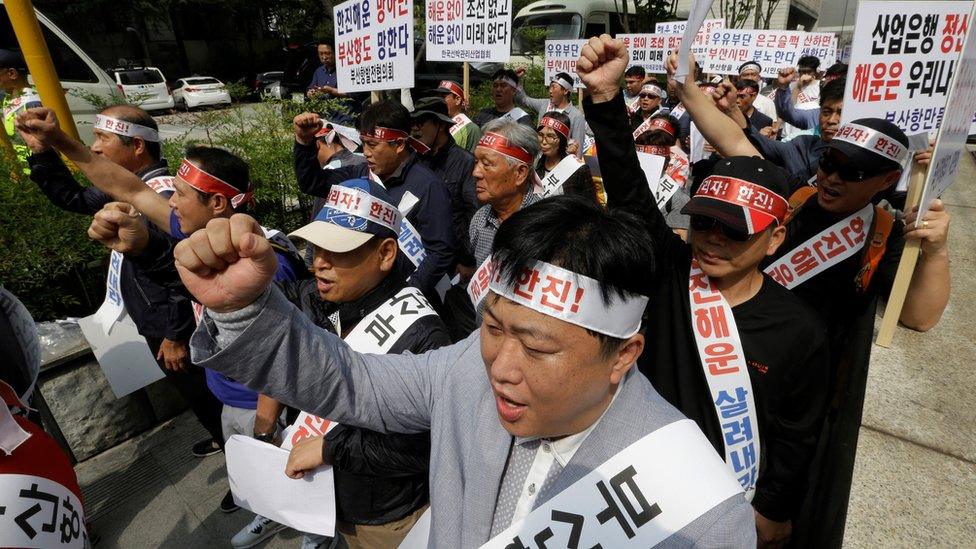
column 206, row 448
column 259, row 530
column 227, row 504
column 315, row 541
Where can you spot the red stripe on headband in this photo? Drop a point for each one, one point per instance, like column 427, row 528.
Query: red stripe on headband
column 657, row 150
column 555, row 125
column 663, row 124
column 454, row 88
column 502, row 145
column 757, row 198
column 206, row 183
column 390, row 134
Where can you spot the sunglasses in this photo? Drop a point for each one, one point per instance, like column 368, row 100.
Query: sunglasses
column 704, row 224
column 845, row 170
column 648, row 95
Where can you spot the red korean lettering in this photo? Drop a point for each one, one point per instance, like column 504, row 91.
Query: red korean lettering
column 711, row 321
column 559, row 290
column 525, row 284
column 803, row 261
column 719, row 356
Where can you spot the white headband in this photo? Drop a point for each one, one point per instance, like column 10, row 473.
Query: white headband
column 508, row 81
column 363, row 205
column 574, row 298
column 872, row 140
column 128, row 129
column 565, row 83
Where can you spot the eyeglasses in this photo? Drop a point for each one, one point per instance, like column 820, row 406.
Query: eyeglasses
column 704, row 224
column 648, row 96
column 549, row 137
column 846, row 171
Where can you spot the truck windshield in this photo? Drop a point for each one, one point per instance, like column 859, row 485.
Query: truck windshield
column 531, row 31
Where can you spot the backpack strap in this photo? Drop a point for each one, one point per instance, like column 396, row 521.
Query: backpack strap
column 881, row 228
column 798, row 199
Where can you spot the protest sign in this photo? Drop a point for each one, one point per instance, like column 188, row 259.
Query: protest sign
column 469, row 30
column 902, row 58
column 650, row 50
column 822, row 45
column 374, row 45
column 727, row 49
column 678, row 27
column 845, row 54
column 122, row 353
column 256, row 473
column 696, row 19
column 561, row 56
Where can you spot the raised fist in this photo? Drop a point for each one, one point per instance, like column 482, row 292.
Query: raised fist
column 306, row 125
column 785, row 76
column 227, row 265
column 120, row 227
column 39, row 128
column 601, row 65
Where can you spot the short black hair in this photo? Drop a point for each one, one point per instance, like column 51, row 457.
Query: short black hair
column 562, row 230
column 833, row 91
column 744, row 83
column 506, row 73
column 636, row 70
column 222, row 164
column 324, row 42
column 563, row 142
column 809, row 62
column 837, row 70
column 135, row 115
column 385, row 114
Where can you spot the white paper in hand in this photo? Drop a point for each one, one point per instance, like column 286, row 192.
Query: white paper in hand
column 256, row 471
column 418, row 537
column 699, row 9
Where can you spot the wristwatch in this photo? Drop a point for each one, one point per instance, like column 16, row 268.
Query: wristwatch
column 266, row 437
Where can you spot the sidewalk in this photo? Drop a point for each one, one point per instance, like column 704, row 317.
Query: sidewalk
column 914, row 482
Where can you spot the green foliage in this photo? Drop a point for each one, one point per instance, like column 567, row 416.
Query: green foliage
column 238, row 91
column 533, row 81
column 45, row 254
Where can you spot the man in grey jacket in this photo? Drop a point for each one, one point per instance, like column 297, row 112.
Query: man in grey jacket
column 532, row 417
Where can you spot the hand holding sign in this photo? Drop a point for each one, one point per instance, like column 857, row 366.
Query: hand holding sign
column 306, row 126
column 228, row 265
column 305, row 455
column 601, row 65
column 933, row 232
column 118, row 226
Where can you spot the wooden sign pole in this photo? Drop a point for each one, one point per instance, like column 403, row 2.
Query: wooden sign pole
column 467, row 82
column 906, row 267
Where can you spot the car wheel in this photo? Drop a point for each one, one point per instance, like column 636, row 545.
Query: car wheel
column 184, row 105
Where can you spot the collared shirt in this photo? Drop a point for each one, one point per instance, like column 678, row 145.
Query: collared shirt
column 323, row 77
column 559, row 451
column 484, row 225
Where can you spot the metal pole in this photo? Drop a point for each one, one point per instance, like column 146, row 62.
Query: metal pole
column 31, row 40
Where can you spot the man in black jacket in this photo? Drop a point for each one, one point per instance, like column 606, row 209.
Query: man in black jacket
column 129, row 137
column 390, row 161
column 451, row 163
column 728, row 346
column 360, row 294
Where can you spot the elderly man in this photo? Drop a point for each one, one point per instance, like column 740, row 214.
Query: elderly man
column 464, row 131
column 504, row 84
column 538, row 419
column 560, row 95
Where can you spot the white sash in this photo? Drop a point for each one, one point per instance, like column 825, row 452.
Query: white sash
column 39, row 512
column 678, row 111
column 552, row 182
column 460, row 121
column 410, row 242
column 20, row 102
column 478, row 285
column 636, row 499
column 724, row 363
column 514, row 115
column 664, row 190
column 824, row 250
column 678, row 167
column 376, row 333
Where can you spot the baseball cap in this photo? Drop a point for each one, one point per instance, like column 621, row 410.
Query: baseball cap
column 449, row 86
column 354, row 211
column 431, row 106
column 746, row 193
column 10, row 59
column 872, row 142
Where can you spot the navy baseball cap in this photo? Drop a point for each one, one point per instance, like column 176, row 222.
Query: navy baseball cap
column 355, row 211
column 10, row 59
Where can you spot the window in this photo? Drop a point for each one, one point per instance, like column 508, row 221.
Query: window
column 617, row 26
column 557, row 26
column 202, row 81
column 68, row 64
column 138, row 77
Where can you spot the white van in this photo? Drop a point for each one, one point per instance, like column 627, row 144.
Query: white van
column 80, row 76
column 568, row 20
column 143, row 86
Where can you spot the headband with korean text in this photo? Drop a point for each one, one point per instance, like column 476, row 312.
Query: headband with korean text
column 574, row 298
column 358, row 203
column 390, row 134
column 564, row 83
column 663, row 124
column 507, row 80
column 555, row 125
column 872, row 140
column 756, row 199
column 452, row 87
column 501, row 144
column 206, row 183
column 658, row 150
column 128, row 129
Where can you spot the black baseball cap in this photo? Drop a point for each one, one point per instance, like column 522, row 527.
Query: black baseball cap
column 745, row 193
column 433, row 107
column 10, row 59
column 876, row 145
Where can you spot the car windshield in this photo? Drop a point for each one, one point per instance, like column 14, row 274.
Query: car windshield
column 138, row 77
column 531, row 31
column 201, row 81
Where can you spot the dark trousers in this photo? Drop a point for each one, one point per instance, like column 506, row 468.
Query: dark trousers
column 458, row 313
column 192, row 386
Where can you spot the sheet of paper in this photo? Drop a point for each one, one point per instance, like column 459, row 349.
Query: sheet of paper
column 419, row 535
column 256, row 471
column 123, row 355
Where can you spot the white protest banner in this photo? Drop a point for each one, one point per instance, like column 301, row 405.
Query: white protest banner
column 650, row 50
column 727, row 49
column 561, row 56
column 374, row 45
column 678, row 27
column 902, row 59
column 822, row 45
column 951, row 143
column 845, row 54
column 256, row 471
column 122, row 353
column 696, row 20
column 469, row 30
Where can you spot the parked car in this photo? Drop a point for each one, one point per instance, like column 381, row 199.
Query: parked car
column 268, row 84
column 79, row 74
column 143, row 86
column 199, row 91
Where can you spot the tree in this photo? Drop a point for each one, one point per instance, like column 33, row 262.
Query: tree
column 736, row 12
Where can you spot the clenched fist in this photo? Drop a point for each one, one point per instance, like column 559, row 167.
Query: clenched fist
column 601, row 65
column 227, row 265
column 307, row 125
column 118, row 226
